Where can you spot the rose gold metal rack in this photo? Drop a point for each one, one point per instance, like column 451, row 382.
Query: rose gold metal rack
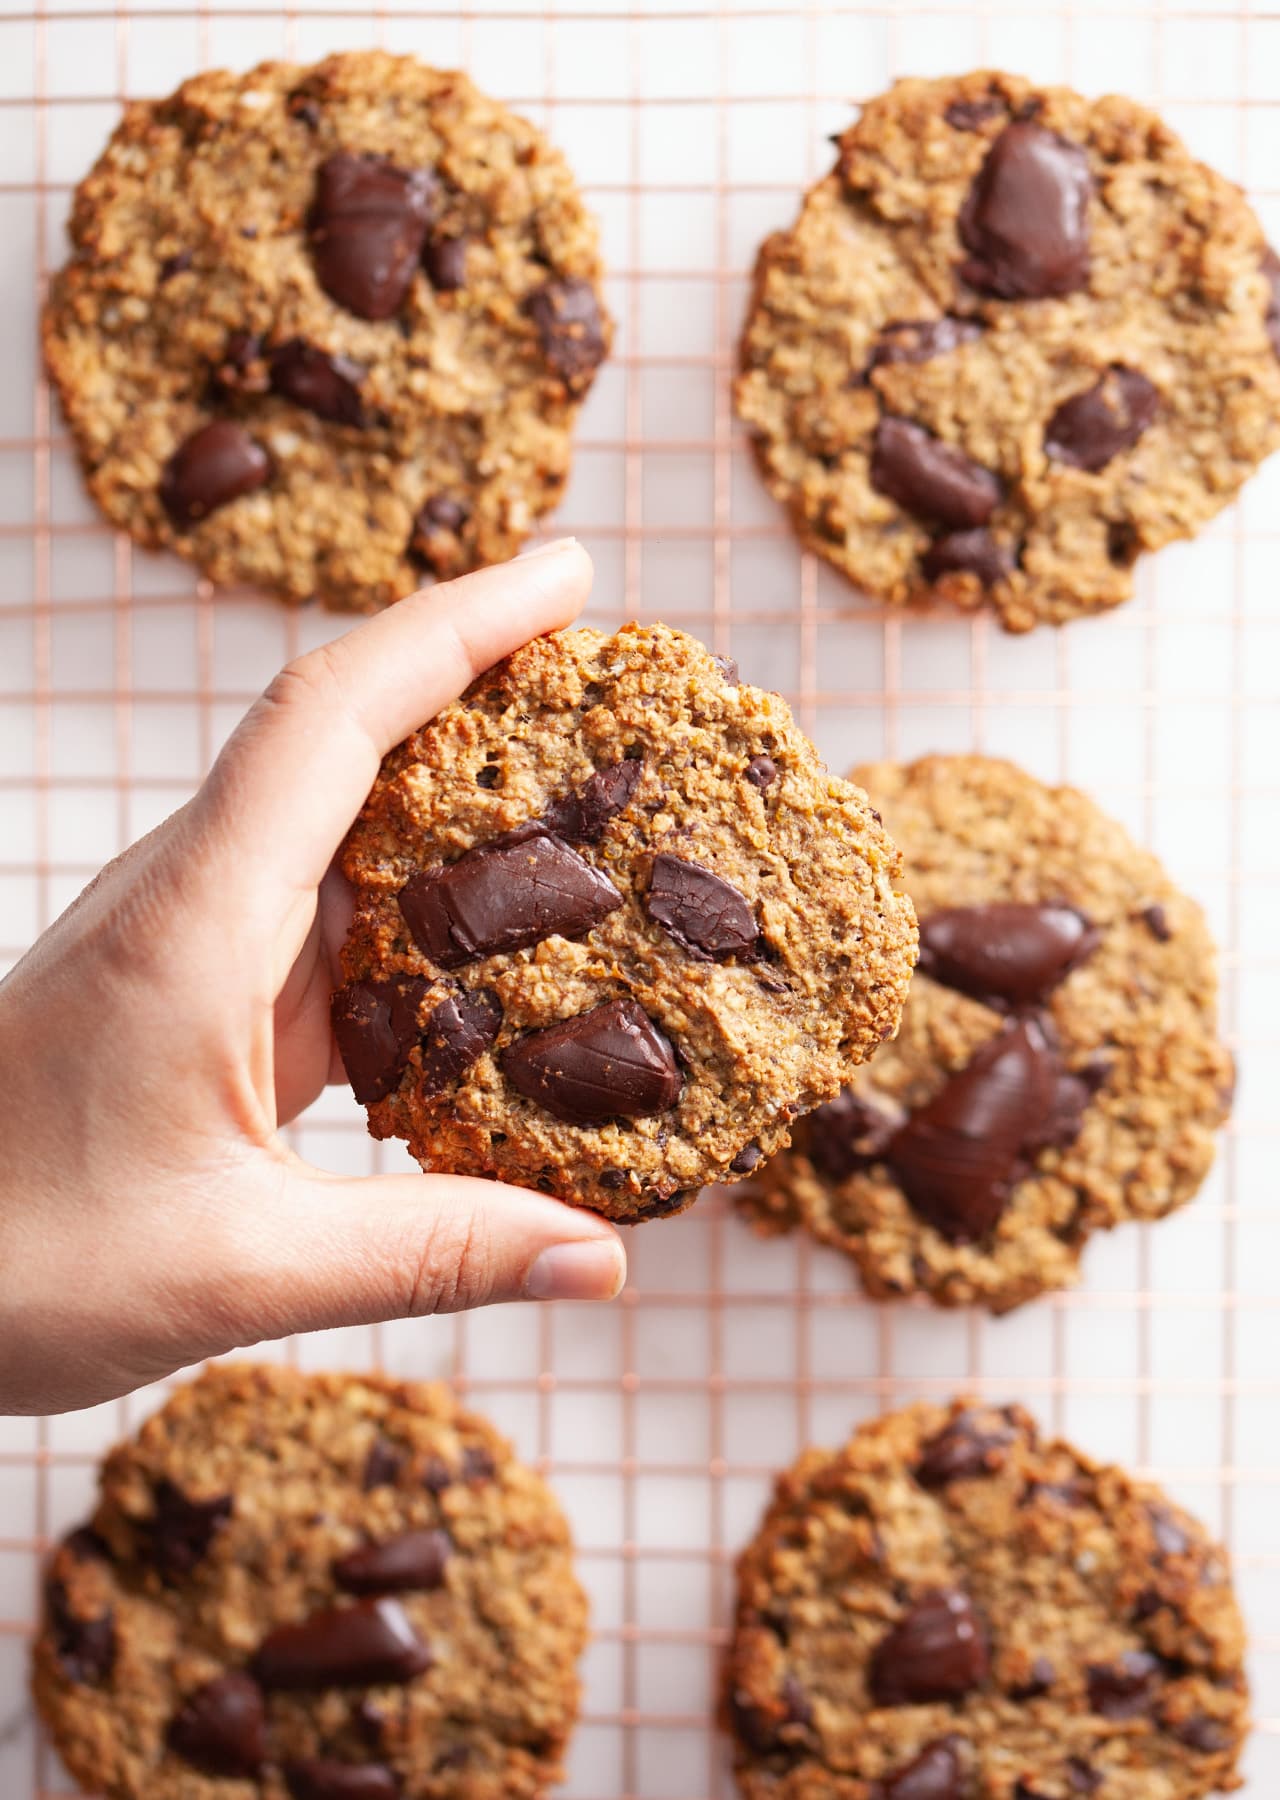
column 693, row 127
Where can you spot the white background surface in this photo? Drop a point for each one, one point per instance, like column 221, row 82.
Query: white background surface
column 692, row 128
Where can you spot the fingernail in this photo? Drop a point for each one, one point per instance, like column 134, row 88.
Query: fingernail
column 594, row 1269
column 551, row 549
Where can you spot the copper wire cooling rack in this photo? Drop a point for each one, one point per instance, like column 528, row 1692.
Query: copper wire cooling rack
column 693, row 127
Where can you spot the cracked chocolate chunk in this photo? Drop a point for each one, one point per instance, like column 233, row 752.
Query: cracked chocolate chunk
column 382, row 1465
column 705, row 914
column 182, row 1527
column 581, row 816
column 984, row 1647
column 611, row 1062
column 456, row 1035
column 503, row 896
column 361, row 1645
column 1006, row 953
column 978, row 241
column 221, row 1727
column 84, row 1645
column 937, row 1651
column 567, row 318
column 932, row 480
column 366, row 228
column 217, row 464
column 1025, row 221
column 1094, row 426
column 376, row 1025
column 414, row 1562
column 437, row 542
column 1056, row 1061
column 319, row 382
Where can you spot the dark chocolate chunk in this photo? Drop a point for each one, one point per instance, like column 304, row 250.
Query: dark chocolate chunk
column 701, row 911
column 932, row 480
column 957, row 1157
column 938, row 1651
column 222, row 1727
column 936, row 1774
column 920, row 340
column 323, row 384
column 747, row 1159
column 478, row 1464
column 1091, row 427
column 1083, row 1777
column 436, row 539
column 504, row 896
column 1156, row 920
column 1125, row 1688
column 320, row 1778
column 182, row 1529
column 382, row 1465
column 366, row 227
column 727, row 667
column 457, row 1033
column 85, row 1648
column 1039, row 1680
column 375, row 1025
column 1005, row 952
column 799, row 1710
column 300, row 106
column 84, row 1544
column 437, row 1475
column 607, row 1063
column 1026, row 217
column 968, row 553
column 566, row 315
column 845, row 1135
column 1171, row 1539
column 969, row 1447
column 361, row 1645
column 613, row 1178
column 581, row 817
column 1271, row 269
column 217, row 464
column 412, row 1562
column 177, row 264
column 969, row 115
column 488, row 777
column 761, row 772
column 445, row 260
column 1200, row 1732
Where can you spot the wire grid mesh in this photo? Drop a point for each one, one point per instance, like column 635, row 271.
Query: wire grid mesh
column 692, row 128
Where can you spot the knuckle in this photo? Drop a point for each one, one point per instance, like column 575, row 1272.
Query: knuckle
column 317, row 677
column 452, row 1269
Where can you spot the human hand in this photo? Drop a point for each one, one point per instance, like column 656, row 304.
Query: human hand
column 159, row 1033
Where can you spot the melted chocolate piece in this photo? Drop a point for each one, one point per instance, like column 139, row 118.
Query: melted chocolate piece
column 478, row 1464
column 608, row 1063
column 362, row 1645
column 1026, row 217
column 382, row 1466
column 705, row 914
column 936, row 1774
column 504, row 896
column 1006, row 953
column 1171, row 1539
column 930, row 479
column 457, row 1033
column 321, row 1778
column 968, row 553
column 920, row 340
column 581, row 817
column 323, row 384
column 1202, row 1733
column 957, row 1157
column 1156, row 920
column 177, row 264
column 965, row 1449
column 1092, row 427
column 435, row 541
column 445, row 261
column 1125, row 1688
column 221, row 1728
column 413, row 1562
column 969, row 115
column 85, row 1648
column 938, row 1651
column 182, row 1529
column 217, row 464
column 366, row 228
column 300, row 106
column 375, row 1025
column 746, row 1160
column 566, row 315
column 761, row 772
column 243, row 371
column 845, row 1135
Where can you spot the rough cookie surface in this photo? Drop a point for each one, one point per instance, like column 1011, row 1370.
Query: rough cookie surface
column 373, row 286
column 309, row 1587
column 615, row 927
column 1013, row 340
column 1058, row 1070
column 951, row 1607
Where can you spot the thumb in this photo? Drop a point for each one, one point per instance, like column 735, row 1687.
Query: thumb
column 341, row 1251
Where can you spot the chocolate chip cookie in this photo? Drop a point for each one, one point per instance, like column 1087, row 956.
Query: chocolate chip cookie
column 1014, row 339
column 615, row 927
column 309, row 1587
column 326, row 330
column 952, row 1607
column 1058, row 1070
